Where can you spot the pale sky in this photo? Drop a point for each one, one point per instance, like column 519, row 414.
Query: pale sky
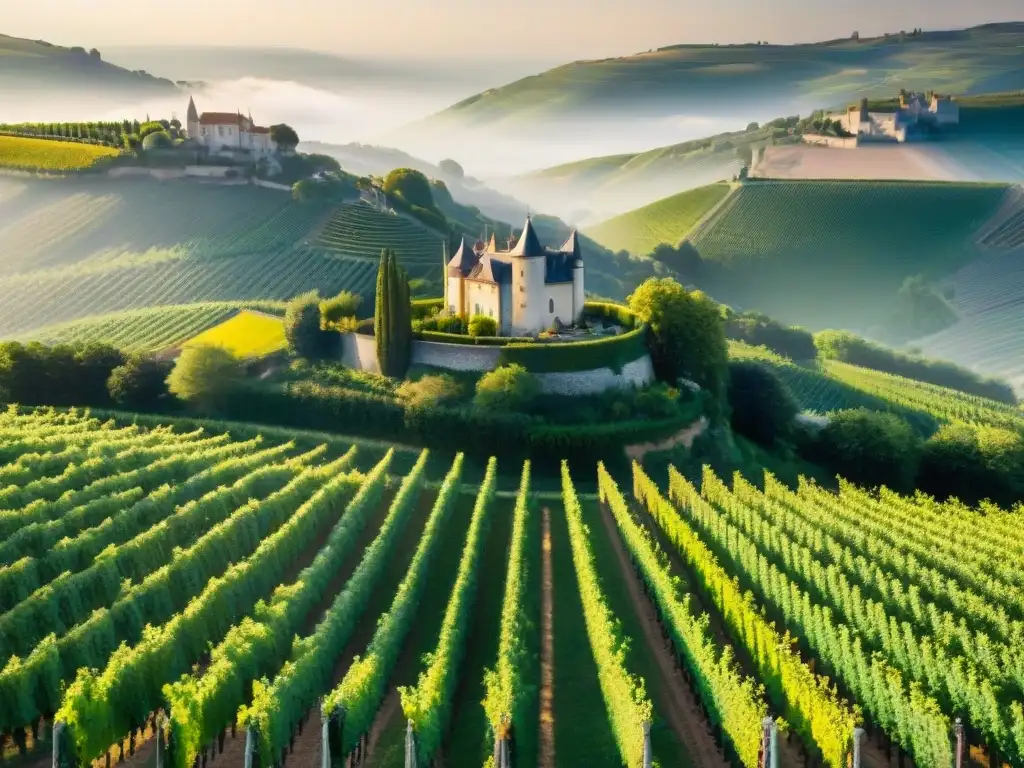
column 568, row 29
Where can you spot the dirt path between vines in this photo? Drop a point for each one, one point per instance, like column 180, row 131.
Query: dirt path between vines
column 546, row 743
column 677, row 707
column 684, row 438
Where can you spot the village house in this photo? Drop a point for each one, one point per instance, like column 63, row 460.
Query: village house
column 526, row 289
column 229, row 134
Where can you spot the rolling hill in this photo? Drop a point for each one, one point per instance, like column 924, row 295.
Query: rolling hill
column 28, row 66
column 667, row 221
column 729, row 82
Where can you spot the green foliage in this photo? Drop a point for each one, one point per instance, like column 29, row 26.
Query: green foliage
column 205, row 376
column 428, row 704
column 482, row 325
column 303, row 327
column 508, row 693
column 158, row 140
column 343, row 306
column 393, row 317
column 505, row 389
column 139, row 384
column 625, row 696
column 284, row 136
column 429, row 391
column 973, row 464
column 759, row 330
column 919, row 312
column 149, row 128
column 868, row 448
column 331, row 187
column 33, row 374
column 687, row 338
column 279, row 705
column 849, row 348
column 761, row 405
column 409, row 185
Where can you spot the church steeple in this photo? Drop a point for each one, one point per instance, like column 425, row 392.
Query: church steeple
column 529, row 244
column 193, row 113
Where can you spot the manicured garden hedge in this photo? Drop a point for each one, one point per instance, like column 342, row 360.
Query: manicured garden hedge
column 539, row 356
column 311, row 406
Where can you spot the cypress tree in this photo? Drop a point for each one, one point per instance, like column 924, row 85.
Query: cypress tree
column 380, row 313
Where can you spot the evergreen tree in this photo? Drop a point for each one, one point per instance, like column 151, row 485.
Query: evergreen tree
column 393, row 317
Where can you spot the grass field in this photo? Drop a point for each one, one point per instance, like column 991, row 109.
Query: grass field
column 834, row 254
column 246, row 334
column 24, row 154
column 364, row 555
column 667, row 221
column 147, row 330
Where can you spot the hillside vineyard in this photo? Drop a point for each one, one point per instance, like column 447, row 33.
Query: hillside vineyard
column 265, row 602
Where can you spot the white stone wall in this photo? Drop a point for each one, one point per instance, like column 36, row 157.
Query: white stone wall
column 482, row 299
column 360, row 351
column 529, row 297
column 563, row 296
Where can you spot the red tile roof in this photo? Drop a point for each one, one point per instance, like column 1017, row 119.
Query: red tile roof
column 221, row 118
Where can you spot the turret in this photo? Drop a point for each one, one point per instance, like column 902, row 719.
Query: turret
column 572, row 246
column 529, row 299
column 192, row 120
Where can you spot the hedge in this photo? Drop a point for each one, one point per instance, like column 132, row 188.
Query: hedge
column 461, row 338
column 611, row 352
column 421, row 308
column 305, row 405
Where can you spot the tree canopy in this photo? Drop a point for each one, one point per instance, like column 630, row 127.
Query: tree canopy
column 392, row 320
column 284, row 136
column 686, row 337
column 302, row 327
column 204, row 376
column 762, row 406
column 451, row 168
column 410, row 185
column 508, row 388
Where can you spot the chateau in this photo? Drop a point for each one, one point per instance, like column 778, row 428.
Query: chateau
column 526, row 289
column 226, row 133
column 914, row 115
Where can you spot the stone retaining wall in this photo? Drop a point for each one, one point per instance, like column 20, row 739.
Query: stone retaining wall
column 360, row 351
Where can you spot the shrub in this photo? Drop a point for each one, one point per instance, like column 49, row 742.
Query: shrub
column 762, row 331
column 429, row 391
column 481, row 325
column 284, row 136
column 141, row 383
column 153, row 126
column 762, row 406
column 34, row 374
column 205, row 376
column 411, row 186
column 973, row 463
column 850, row 348
column 868, row 448
column 345, row 305
column 303, row 328
column 158, row 140
column 506, row 388
column 687, row 337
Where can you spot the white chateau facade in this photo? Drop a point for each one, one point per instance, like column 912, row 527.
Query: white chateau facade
column 227, row 133
column 526, row 289
column 915, row 115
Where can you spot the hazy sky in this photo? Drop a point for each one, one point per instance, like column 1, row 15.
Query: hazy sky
column 520, row 28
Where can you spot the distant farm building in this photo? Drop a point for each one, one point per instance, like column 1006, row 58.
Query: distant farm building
column 526, row 288
column 229, row 134
column 914, row 117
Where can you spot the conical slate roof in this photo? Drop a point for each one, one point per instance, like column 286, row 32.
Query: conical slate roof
column 529, row 244
column 463, row 261
column 572, row 247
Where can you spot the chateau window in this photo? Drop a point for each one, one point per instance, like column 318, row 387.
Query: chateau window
column 477, row 312
column 522, row 272
column 220, row 130
column 551, row 306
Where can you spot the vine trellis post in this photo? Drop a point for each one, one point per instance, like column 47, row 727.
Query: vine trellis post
column 960, row 743
column 410, row 746
column 769, row 743
column 648, row 751
column 858, row 737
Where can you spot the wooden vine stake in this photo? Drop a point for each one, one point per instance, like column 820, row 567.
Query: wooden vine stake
column 858, row 737
column 648, row 751
column 410, row 746
column 58, row 730
column 961, row 743
column 325, row 739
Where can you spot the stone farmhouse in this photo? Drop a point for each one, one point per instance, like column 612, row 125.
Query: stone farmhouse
column 526, row 289
column 229, row 134
column 914, row 117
